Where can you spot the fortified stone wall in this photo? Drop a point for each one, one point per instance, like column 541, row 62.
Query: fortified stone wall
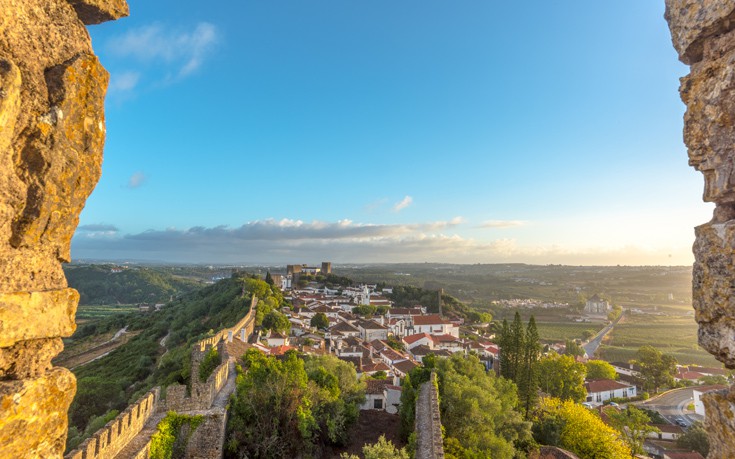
column 243, row 329
column 52, row 132
column 107, row 442
column 703, row 33
column 208, row 440
column 429, row 443
column 202, row 394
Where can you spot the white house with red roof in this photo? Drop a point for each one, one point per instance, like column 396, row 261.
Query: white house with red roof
column 411, row 341
column 433, row 324
column 599, row 390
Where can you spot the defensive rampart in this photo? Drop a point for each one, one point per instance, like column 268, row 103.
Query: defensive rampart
column 429, row 443
column 243, row 329
column 107, row 442
column 202, row 394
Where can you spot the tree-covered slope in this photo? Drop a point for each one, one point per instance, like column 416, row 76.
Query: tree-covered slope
column 148, row 360
column 105, row 284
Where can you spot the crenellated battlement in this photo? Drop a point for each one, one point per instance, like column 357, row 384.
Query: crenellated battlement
column 244, row 328
column 107, row 442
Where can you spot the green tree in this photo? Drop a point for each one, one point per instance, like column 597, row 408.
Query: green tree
column 695, row 439
column 209, row 363
column 577, row 429
column 269, row 279
column 276, row 321
column 599, row 369
column 291, row 407
column 573, row 348
column 563, row 377
column 319, row 320
column 634, row 425
column 479, row 409
column 528, row 373
column 382, row 449
column 657, row 369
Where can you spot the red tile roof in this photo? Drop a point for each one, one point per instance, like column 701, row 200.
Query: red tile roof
column 410, row 339
column 430, row 319
column 376, row 386
column 601, row 385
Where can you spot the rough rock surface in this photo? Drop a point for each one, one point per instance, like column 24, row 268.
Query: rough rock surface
column 703, row 33
column 52, row 132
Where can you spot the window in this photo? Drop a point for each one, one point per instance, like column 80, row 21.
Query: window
column 378, row 404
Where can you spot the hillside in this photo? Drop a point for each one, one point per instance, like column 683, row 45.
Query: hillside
column 108, row 284
column 158, row 354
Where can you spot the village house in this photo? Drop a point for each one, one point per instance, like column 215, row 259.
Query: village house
column 276, row 339
column 418, row 339
column 600, row 390
column 433, row 324
column 371, row 330
column 380, row 394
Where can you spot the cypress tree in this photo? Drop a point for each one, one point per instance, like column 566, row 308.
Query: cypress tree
column 528, row 374
column 505, row 351
column 517, row 339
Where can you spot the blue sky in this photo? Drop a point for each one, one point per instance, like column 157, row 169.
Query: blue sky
column 383, row 131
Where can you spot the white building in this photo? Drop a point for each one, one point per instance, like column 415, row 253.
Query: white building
column 597, row 305
column 599, row 390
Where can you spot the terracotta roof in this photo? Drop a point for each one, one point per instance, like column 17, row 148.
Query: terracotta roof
column 344, row 327
column 690, row 375
column 391, row 354
column 371, row 325
column 378, row 345
column 709, row 371
column 405, row 366
column 410, row 339
column 376, row 386
column 421, row 349
column 280, row 350
column 370, row 367
column 430, row 319
column 668, row 428
column 445, row 338
column 601, row 385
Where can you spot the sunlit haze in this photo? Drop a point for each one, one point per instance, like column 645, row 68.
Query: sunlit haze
column 383, row 131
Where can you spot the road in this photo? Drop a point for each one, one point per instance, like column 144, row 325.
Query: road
column 591, row 347
column 672, row 404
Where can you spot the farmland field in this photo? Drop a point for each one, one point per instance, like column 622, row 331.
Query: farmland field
column 86, row 313
column 560, row 331
column 675, row 335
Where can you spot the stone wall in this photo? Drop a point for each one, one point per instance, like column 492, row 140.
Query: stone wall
column 201, row 394
column 107, row 442
column 703, row 33
column 429, row 442
column 207, row 441
column 247, row 324
column 52, row 132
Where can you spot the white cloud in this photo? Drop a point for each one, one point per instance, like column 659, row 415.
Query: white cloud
column 155, row 43
column 403, row 203
column 502, row 223
column 124, row 81
column 286, row 240
column 137, row 179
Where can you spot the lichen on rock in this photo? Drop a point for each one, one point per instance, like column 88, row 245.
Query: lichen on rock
column 52, row 133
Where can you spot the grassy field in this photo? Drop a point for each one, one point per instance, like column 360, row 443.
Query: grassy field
column 94, row 312
column 560, row 331
column 675, row 335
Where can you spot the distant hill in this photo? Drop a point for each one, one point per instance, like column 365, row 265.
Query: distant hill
column 110, row 284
